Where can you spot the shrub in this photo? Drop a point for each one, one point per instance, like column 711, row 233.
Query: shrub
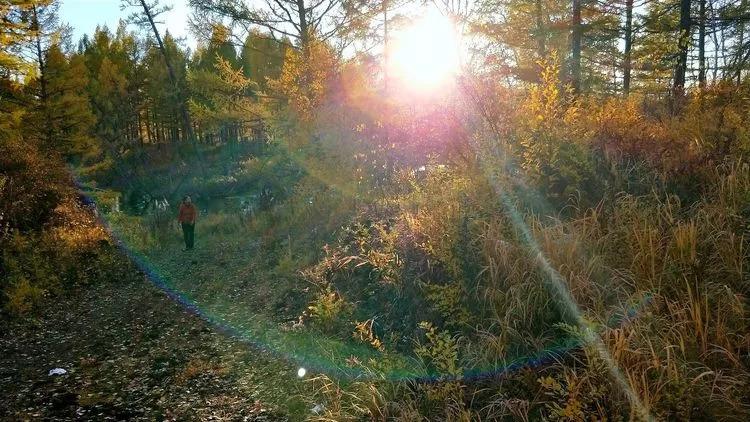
column 554, row 149
column 329, row 312
column 31, row 186
column 23, row 297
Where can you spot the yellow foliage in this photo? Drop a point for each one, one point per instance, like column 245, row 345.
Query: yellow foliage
column 364, row 333
column 440, row 350
column 448, row 300
column 305, row 85
column 23, row 297
column 305, row 78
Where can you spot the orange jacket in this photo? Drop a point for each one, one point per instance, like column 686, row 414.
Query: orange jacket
column 188, row 213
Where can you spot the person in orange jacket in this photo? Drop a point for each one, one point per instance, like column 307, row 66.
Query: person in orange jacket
column 186, row 217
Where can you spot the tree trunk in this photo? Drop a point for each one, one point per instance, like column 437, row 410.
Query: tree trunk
column 147, row 123
column 575, row 63
column 139, row 120
column 627, row 59
column 43, row 94
column 303, row 25
column 40, row 56
column 385, row 46
column 702, row 45
column 386, row 125
column 683, row 44
column 740, row 54
column 541, row 35
column 715, row 38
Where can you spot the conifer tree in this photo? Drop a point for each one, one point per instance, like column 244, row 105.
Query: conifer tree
column 107, row 65
column 65, row 117
column 164, row 103
column 17, row 27
column 262, row 58
column 298, row 20
column 146, row 17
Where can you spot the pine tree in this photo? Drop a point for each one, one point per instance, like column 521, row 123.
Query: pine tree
column 583, row 34
column 218, row 46
column 529, row 31
column 262, row 58
column 115, row 87
column 627, row 60
column 18, row 26
column 684, row 40
column 298, row 20
column 164, row 101
column 206, row 86
column 229, row 106
column 146, row 18
column 65, row 118
column 655, row 48
column 731, row 19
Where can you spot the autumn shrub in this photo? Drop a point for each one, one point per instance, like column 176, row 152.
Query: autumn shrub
column 678, row 153
column 107, row 201
column 330, row 312
column 555, row 150
column 716, row 122
column 23, row 297
column 601, row 217
column 660, row 280
column 33, row 192
column 32, row 185
column 72, row 250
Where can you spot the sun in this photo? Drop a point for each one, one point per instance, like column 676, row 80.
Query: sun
column 426, row 53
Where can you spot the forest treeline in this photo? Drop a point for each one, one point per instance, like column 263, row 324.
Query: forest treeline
column 114, row 87
column 562, row 233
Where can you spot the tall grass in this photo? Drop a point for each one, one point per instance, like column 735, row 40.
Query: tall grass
column 661, row 278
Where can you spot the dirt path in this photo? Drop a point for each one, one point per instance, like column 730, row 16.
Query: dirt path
column 130, row 352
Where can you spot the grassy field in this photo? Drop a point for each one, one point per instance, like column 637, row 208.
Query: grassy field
column 232, row 281
column 448, row 281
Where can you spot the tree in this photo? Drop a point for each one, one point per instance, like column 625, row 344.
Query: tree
column 262, row 57
column 162, row 103
column 731, row 18
column 296, row 19
column 230, row 106
column 218, row 45
column 683, row 46
column 525, row 31
column 206, row 86
column 702, row 43
column 44, row 23
column 583, row 33
column 627, row 54
column 65, row 114
column 575, row 48
column 113, row 88
column 654, row 48
column 18, row 26
column 304, row 83
column 150, row 10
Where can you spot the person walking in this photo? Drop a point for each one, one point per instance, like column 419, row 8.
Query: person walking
column 186, row 217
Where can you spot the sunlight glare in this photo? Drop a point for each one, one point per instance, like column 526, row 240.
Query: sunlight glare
column 426, row 53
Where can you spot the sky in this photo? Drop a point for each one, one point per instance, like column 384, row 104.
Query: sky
column 85, row 15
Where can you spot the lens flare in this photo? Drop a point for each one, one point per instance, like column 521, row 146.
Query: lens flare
column 426, row 53
column 336, row 357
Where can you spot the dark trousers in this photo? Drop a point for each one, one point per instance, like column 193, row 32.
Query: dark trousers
column 188, row 232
